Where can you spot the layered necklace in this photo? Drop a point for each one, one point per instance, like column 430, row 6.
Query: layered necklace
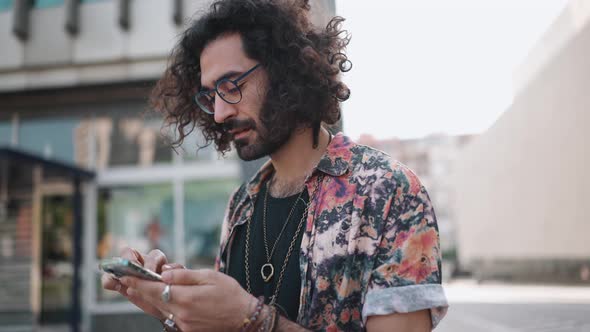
column 267, row 270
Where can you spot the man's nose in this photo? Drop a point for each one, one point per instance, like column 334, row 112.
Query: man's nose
column 223, row 110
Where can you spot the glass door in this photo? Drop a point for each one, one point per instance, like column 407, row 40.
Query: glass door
column 56, row 259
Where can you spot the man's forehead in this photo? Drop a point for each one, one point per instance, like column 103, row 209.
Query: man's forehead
column 221, row 56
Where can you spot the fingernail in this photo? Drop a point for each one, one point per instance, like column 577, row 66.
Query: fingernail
column 166, row 267
column 118, row 287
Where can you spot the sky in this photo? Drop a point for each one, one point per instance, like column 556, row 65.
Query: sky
column 423, row 67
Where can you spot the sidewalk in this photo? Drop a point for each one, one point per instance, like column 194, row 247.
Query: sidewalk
column 506, row 307
column 468, row 291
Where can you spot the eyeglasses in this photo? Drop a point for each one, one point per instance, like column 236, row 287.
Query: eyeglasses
column 228, row 90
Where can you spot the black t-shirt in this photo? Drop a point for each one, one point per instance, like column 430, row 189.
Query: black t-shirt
column 276, row 215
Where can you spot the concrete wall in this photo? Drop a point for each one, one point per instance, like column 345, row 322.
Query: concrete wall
column 567, row 25
column 102, row 51
column 522, row 188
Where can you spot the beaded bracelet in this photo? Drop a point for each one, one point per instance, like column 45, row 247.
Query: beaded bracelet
column 249, row 321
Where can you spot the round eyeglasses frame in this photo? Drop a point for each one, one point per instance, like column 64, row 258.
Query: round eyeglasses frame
column 202, row 98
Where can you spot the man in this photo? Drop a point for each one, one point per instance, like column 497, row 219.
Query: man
column 329, row 235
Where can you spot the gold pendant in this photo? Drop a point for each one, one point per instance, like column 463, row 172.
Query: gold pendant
column 265, row 277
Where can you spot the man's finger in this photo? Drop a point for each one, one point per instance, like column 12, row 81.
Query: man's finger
column 150, row 291
column 132, row 255
column 154, row 260
column 109, row 283
column 172, row 266
column 188, row 277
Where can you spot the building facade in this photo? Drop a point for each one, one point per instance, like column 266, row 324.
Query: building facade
column 522, row 186
column 74, row 81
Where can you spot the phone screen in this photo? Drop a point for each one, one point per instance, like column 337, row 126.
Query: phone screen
column 120, row 267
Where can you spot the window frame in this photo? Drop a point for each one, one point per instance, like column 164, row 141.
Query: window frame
column 178, row 173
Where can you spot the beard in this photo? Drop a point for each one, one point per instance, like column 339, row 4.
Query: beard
column 255, row 150
column 257, row 144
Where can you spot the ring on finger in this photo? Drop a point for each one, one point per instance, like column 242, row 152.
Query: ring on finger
column 166, row 294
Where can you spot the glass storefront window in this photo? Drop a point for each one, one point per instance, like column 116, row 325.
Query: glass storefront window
column 130, row 140
column 190, row 148
column 5, row 133
column 204, row 207
column 49, row 137
column 141, row 217
column 120, row 140
column 5, row 5
column 48, row 3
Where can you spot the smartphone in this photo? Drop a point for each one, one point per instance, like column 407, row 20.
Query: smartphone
column 120, row 267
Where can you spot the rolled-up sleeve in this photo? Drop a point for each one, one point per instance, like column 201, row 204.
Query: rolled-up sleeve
column 406, row 276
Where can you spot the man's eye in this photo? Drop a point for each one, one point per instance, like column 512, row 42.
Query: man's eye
column 237, row 88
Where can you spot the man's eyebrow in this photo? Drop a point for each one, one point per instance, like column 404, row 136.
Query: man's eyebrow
column 227, row 74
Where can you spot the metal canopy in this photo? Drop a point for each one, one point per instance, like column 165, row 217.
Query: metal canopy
column 58, row 168
column 19, row 165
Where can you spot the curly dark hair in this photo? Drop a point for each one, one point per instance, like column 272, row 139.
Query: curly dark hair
column 303, row 65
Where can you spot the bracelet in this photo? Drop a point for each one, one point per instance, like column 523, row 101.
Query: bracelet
column 267, row 325
column 249, row 321
column 166, row 328
column 275, row 322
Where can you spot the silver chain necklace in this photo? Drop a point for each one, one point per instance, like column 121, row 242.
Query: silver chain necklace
column 268, row 270
column 274, row 297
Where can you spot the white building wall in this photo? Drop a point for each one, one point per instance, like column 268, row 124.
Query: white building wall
column 100, row 38
column 12, row 50
column 522, row 188
column 567, row 25
column 48, row 43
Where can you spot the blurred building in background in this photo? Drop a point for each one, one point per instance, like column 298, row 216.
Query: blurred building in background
column 74, row 80
column 522, row 188
column 432, row 159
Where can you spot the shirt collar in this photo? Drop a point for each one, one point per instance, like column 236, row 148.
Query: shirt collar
column 334, row 162
column 337, row 157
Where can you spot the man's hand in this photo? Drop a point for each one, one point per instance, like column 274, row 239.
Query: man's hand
column 200, row 300
column 156, row 261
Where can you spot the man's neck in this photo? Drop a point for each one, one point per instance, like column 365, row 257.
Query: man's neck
column 294, row 161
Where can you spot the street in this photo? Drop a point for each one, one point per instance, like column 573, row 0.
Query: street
column 512, row 308
column 488, row 317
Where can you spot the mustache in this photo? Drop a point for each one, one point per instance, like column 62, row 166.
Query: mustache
column 238, row 124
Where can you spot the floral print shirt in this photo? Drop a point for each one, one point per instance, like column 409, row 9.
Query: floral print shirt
column 371, row 243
